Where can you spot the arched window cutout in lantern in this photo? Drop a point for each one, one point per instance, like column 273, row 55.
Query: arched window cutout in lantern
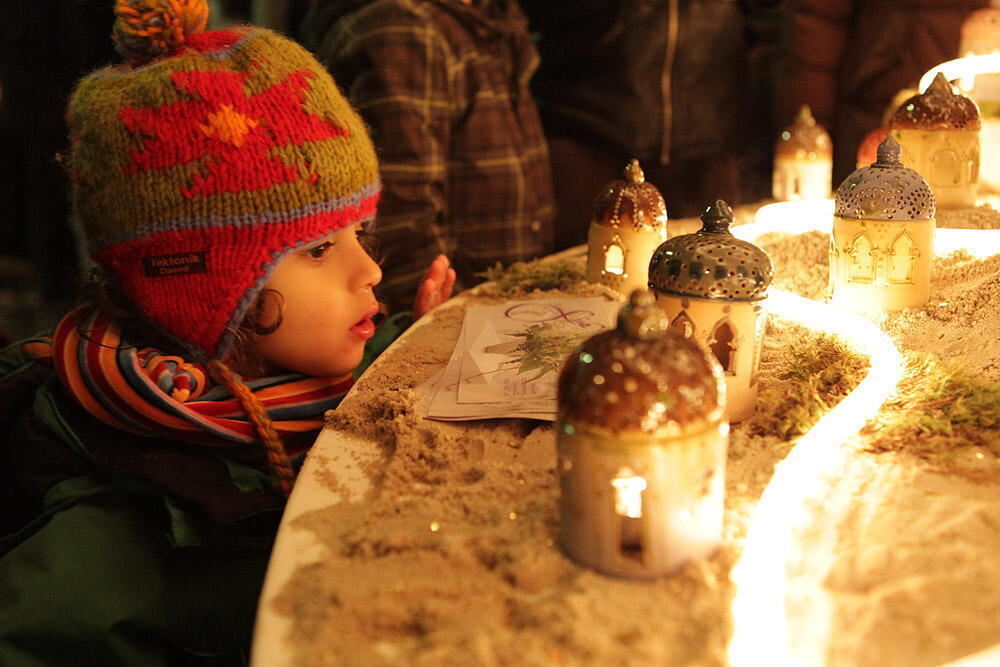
column 903, row 255
column 945, row 168
column 628, row 508
column 862, row 265
column 683, row 325
column 722, row 342
column 614, row 257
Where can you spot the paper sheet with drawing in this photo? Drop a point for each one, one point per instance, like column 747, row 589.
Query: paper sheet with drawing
column 508, row 357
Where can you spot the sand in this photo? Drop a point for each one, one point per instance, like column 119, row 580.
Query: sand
column 454, row 561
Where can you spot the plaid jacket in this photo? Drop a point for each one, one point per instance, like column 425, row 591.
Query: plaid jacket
column 444, row 88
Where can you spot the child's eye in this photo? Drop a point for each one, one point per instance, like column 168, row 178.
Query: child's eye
column 317, row 251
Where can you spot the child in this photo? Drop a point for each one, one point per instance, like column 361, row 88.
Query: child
column 223, row 182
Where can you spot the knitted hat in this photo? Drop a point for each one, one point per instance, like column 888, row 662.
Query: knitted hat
column 204, row 160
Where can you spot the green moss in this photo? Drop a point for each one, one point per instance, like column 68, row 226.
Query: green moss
column 522, row 277
column 805, row 373
column 939, row 410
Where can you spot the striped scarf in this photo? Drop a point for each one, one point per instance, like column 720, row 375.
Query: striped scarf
column 143, row 391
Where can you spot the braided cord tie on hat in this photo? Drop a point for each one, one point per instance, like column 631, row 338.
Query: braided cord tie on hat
column 277, row 457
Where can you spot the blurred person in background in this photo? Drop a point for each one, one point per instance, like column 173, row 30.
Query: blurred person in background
column 682, row 85
column 444, row 87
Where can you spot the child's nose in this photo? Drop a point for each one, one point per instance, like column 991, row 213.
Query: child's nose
column 368, row 273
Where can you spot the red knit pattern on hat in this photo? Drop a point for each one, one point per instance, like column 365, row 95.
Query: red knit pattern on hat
column 231, row 132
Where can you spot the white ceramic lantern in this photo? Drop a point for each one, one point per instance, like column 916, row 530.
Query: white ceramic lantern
column 642, row 448
column 981, row 35
column 630, row 221
column 712, row 286
column 803, row 160
column 939, row 134
column 981, row 31
column 883, row 236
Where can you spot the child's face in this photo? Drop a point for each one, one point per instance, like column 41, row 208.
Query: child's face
column 327, row 307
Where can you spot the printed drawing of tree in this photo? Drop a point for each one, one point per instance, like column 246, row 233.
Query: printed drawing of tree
column 543, row 349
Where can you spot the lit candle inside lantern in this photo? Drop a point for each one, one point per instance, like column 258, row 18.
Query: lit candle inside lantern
column 712, row 286
column 803, row 160
column 939, row 132
column 642, row 447
column 630, row 221
column 883, row 236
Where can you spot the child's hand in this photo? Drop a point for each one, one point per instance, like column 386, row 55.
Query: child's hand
column 435, row 287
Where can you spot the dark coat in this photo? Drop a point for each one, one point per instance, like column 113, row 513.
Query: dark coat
column 657, row 80
column 117, row 549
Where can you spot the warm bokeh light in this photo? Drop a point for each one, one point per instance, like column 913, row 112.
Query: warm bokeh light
column 964, row 70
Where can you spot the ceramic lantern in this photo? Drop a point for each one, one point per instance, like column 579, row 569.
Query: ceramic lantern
column 980, row 32
column 630, row 221
column 712, row 287
column 803, row 160
column 883, row 236
column 981, row 35
column 642, row 447
column 939, row 134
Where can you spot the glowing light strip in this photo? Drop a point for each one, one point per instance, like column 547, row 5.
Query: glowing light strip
column 760, row 622
column 798, row 217
column 791, row 217
column 760, row 634
column 960, row 68
column 979, row 243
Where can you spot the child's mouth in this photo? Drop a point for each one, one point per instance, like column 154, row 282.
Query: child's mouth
column 364, row 328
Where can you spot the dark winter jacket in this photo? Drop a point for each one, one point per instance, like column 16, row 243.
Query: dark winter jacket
column 659, row 80
column 118, row 549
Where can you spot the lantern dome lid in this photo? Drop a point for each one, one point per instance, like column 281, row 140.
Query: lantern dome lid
column 940, row 107
column 631, row 202
column 641, row 377
column 711, row 263
column 804, row 138
column 886, row 190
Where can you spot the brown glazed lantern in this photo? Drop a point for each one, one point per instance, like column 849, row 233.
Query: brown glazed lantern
column 630, row 221
column 712, row 286
column 883, row 236
column 642, row 447
column 939, row 134
column 803, row 160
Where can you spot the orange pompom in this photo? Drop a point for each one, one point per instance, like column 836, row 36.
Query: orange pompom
column 149, row 29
